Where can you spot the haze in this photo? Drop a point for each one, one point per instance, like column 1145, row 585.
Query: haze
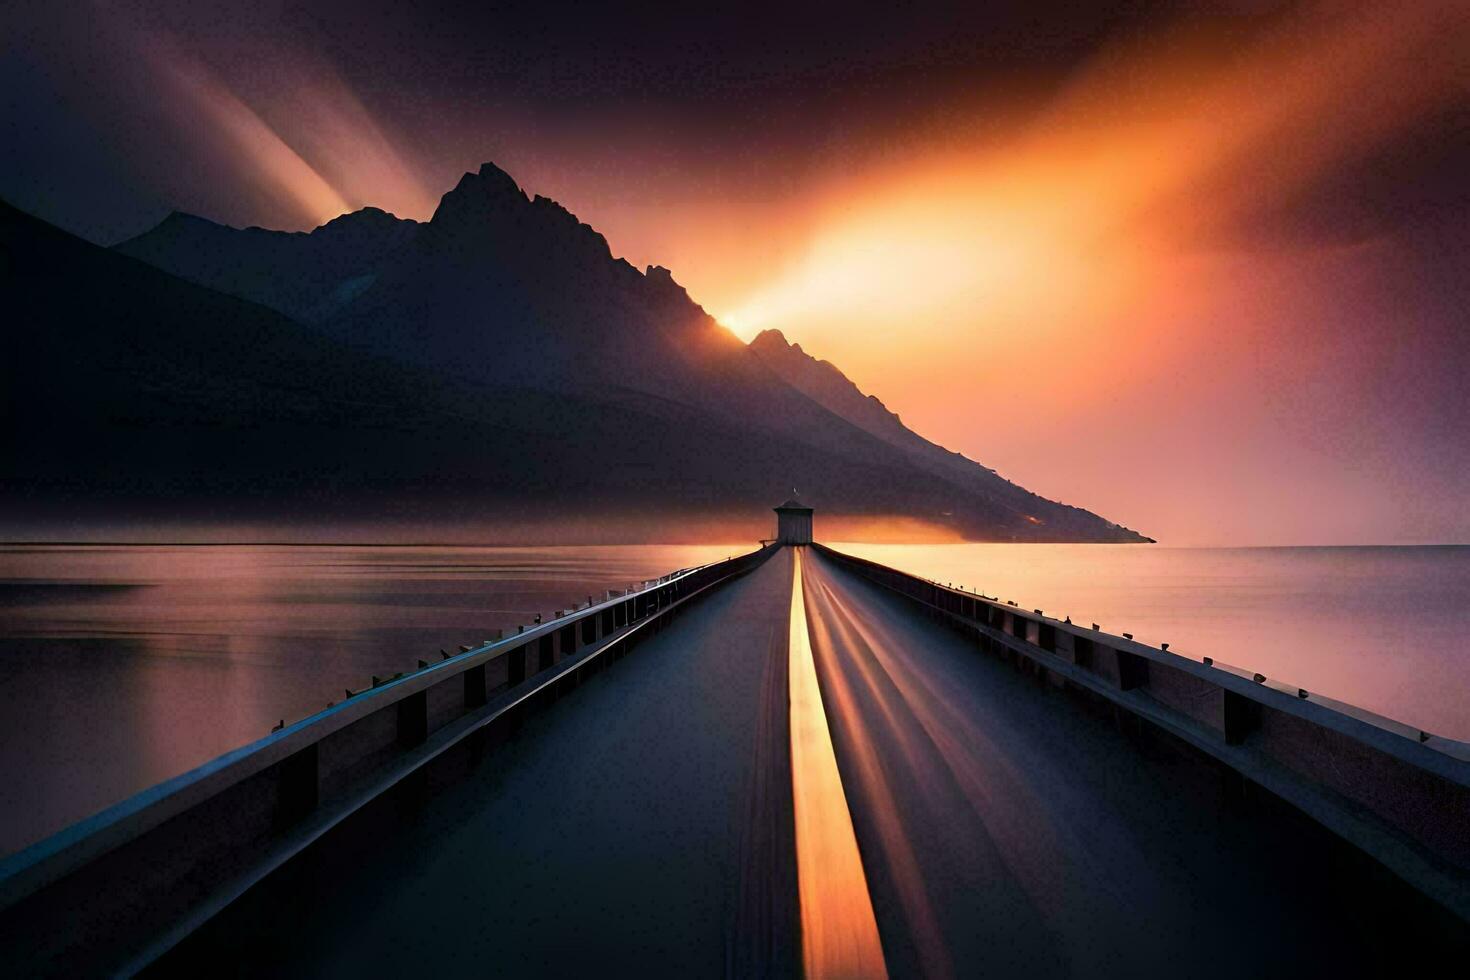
column 1203, row 274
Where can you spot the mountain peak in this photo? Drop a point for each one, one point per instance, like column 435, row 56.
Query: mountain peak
column 184, row 217
column 488, row 214
column 479, row 195
column 375, row 223
column 771, row 340
column 368, row 221
column 489, row 171
column 520, row 301
column 492, row 182
column 298, row 273
column 182, row 221
column 664, row 278
column 363, row 215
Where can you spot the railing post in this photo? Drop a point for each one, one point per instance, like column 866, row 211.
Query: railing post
column 516, row 666
column 474, row 687
column 413, row 719
column 1132, row 671
column 1240, row 717
column 298, row 786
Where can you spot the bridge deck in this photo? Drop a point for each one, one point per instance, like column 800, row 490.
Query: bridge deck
column 617, row 828
column 643, row 824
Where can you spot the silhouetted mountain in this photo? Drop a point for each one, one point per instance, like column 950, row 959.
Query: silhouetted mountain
column 493, row 364
column 132, row 394
column 306, row 275
column 123, row 380
column 825, row 384
column 498, row 285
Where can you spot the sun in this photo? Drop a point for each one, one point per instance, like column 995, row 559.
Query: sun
column 743, row 323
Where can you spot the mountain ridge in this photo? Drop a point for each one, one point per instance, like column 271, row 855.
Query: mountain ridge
column 118, row 407
column 304, row 274
column 826, row 384
column 503, row 293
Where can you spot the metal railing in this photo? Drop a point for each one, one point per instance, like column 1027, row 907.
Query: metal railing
column 114, row 891
column 1397, row 793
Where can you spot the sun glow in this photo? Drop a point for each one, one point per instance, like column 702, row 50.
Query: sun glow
column 1140, row 158
column 1134, row 266
column 1234, row 228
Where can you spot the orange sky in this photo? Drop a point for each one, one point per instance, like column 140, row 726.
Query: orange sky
column 1080, row 299
column 1147, row 288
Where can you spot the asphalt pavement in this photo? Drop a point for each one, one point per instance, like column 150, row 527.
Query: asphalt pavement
column 645, row 824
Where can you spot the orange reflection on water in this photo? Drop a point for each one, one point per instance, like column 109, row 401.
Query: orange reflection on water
column 1379, row 627
column 839, row 935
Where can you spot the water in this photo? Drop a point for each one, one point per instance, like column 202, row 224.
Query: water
column 1385, row 628
column 123, row 665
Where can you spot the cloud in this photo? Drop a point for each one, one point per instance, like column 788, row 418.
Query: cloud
column 217, row 116
column 1089, row 299
column 290, row 126
column 1178, row 146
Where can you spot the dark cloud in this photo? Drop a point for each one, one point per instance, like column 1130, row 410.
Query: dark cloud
column 1253, row 213
column 750, row 96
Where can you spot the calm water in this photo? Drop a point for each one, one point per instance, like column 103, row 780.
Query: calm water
column 123, row 665
column 1386, row 628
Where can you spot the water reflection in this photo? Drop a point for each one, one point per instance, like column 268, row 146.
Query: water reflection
column 123, row 665
column 1381, row 627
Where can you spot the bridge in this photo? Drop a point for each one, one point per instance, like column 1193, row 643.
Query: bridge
column 790, row 762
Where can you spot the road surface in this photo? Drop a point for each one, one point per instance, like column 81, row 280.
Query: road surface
column 881, row 798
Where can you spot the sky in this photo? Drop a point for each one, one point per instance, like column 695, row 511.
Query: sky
column 1203, row 269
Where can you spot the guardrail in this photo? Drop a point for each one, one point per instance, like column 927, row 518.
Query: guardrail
column 114, row 891
column 1399, row 794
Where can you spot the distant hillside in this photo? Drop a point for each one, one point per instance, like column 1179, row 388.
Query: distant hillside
column 306, row 275
column 493, row 364
column 825, row 384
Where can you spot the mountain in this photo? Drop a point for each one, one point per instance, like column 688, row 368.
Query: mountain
column 825, row 384
column 500, row 285
column 306, row 275
column 125, row 383
column 495, row 365
column 131, row 394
